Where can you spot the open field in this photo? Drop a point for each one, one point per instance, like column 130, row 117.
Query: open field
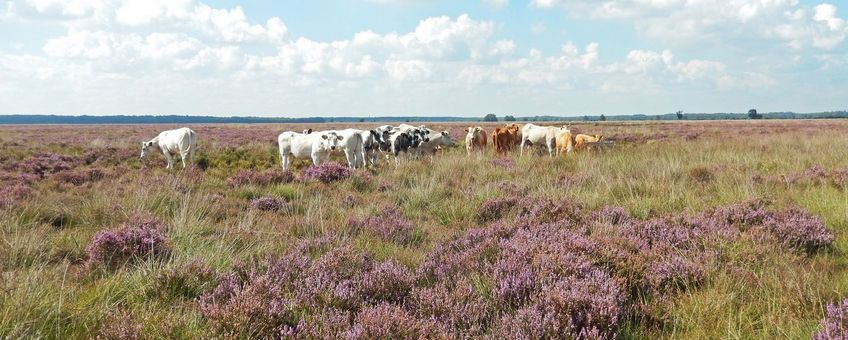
column 730, row 229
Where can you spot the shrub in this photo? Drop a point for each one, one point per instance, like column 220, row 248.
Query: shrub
column 11, row 196
column 260, row 178
column 135, row 241
column 80, row 177
column 504, row 163
column 121, row 326
column 389, row 225
column 327, row 172
column 48, row 163
column 387, row 321
column 494, row 209
column 797, row 228
column 834, row 325
column 268, row 203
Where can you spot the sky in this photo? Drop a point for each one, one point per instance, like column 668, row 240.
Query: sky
column 297, row 58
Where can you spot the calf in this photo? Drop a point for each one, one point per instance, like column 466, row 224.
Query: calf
column 475, row 138
column 181, row 141
column 316, row 146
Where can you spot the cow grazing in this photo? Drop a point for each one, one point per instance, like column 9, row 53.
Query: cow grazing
column 568, row 143
column 316, row 146
column 475, row 138
column 505, row 138
column 352, row 143
column 181, row 142
column 564, row 142
column 540, row 135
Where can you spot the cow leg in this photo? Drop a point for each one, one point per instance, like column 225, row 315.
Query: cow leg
column 183, row 157
column 169, row 161
column 523, row 141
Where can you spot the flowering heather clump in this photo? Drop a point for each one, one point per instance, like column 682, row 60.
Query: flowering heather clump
column 327, row 172
column 494, row 209
column 80, row 177
column 389, row 225
column 387, row 321
column 261, row 178
column 503, row 162
column 797, row 228
column 835, row 322
column 743, row 215
column 110, row 249
column 11, row 178
column 268, row 203
column 10, row 196
column 48, row 163
column 839, row 178
column 815, row 173
column 120, row 326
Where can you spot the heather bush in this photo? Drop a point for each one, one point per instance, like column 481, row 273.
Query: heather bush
column 839, row 178
column 327, row 172
column 834, row 325
column 267, row 203
column 120, row 326
column 12, row 195
column 493, row 209
column 134, row 241
column 387, row 321
column 389, row 225
column 503, row 163
column 797, row 228
column 48, row 163
column 260, row 178
column 80, row 177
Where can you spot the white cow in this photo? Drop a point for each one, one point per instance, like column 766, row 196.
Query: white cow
column 316, row 146
column 352, row 142
column 181, row 141
column 541, row 135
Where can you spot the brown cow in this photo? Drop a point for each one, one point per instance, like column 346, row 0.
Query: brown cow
column 565, row 142
column 505, row 138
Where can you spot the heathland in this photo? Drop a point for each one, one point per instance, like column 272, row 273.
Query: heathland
column 720, row 229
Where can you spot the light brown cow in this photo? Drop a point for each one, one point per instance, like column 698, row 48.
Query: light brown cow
column 566, row 142
column 505, row 138
column 475, row 138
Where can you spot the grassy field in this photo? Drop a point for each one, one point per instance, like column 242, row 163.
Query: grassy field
column 455, row 246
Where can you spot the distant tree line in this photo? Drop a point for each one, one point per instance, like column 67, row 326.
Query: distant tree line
column 184, row 119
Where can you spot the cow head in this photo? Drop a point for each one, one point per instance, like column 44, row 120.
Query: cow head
column 446, row 139
column 331, row 141
column 145, row 148
column 307, row 131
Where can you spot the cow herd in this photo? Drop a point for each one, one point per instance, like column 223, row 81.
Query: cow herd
column 362, row 148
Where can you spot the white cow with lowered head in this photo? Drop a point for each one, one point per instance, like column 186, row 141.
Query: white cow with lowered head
column 181, row 142
column 541, row 135
column 316, row 146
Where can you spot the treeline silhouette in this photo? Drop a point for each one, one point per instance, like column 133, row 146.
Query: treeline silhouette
column 185, row 119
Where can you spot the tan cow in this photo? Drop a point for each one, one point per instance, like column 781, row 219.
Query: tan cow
column 505, row 138
column 567, row 143
column 475, row 138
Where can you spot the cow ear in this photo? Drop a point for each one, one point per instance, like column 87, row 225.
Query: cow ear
column 340, row 138
column 466, row 130
column 324, row 136
column 150, row 143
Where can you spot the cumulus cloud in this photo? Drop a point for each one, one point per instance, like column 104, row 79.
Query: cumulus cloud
column 693, row 21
